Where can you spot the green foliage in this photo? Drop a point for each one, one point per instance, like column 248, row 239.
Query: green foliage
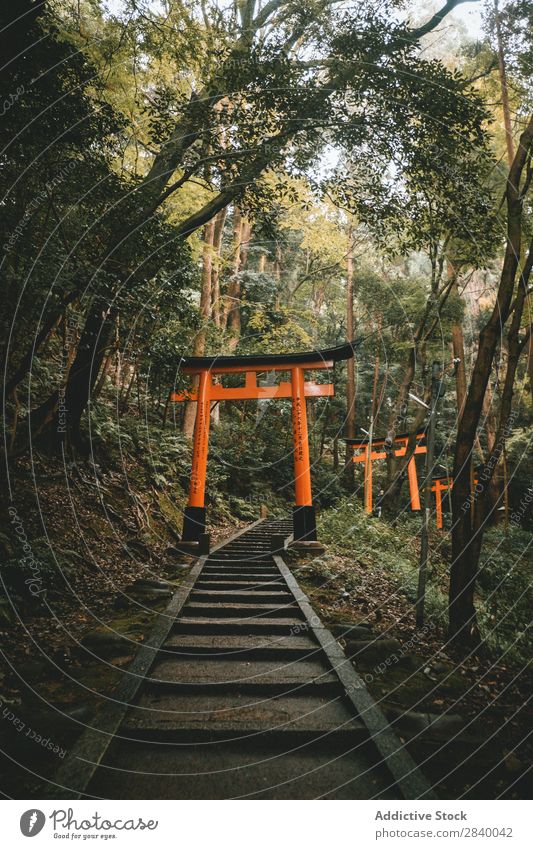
column 59, row 139
column 520, row 461
column 504, row 582
column 156, row 457
column 379, row 546
column 506, row 598
column 242, row 508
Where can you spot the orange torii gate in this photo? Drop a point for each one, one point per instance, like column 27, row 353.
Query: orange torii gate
column 297, row 388
column 440, row 485
column 366, row 457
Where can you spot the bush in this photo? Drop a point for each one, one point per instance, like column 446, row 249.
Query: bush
column 378, row 545
column 505, row 597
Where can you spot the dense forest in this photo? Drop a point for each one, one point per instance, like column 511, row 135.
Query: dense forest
column 202, row 178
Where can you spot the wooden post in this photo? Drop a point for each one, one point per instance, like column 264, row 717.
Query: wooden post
column 368, row 480
column 428, row 477
column 368, row 469
column 350, row 365
column 304, row 514
column 414, row 492
column 438, row 503
column 194, row 517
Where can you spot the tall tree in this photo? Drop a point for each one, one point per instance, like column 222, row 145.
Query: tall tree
column 458, row 347
column 503, row 86
column 350, row 366
column 189, row 415
column 470, row 512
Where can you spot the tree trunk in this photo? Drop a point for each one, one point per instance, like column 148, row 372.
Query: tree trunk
column 205, row 310
column 377, row 363
column 245, row 244
column 530, row 351
column 394, row 423
column 233, row 311
column 58, row 419
column 494, row 486
column 103, row 374
column 510, row 152
column 503, row 85
column 467, row 532
column 350, row 365
column 335, row 453
column 397, row 466
column 48, row 327
column 277, row 275
column 217, row 259
column 417, row 354
column 458, row 347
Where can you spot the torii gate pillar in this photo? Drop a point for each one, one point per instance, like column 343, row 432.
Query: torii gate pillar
column 304, row 520
column 194, row 515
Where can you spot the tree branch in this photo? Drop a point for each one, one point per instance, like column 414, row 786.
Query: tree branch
column 437, row 19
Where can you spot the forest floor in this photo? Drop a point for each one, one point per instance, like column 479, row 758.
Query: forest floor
column 466, row 719
column 89, row 562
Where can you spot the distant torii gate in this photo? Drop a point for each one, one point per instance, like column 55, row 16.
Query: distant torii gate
column 443, row 484
column 440, row 485
column 363, row 445
column 297, row 389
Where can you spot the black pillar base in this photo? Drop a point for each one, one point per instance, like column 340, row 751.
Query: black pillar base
column 304, row 523
column 193, row 523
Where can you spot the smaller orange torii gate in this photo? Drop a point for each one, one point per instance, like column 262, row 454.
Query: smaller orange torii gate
column 440, row 485
column 366, row 457
column 297, row 389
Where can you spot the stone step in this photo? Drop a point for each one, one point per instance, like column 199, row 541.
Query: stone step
column 243, row 572
column 255, row 538
column 237, row 646
column 239, row 596
column 223, row 583
column 268, row 769
column 240, row 565
column 264, row 625
column 249, row 550
column 201, row 672
column 239, row 611
column 245, row 563
column 246, row 541
column 195, row 717
column 256, row 581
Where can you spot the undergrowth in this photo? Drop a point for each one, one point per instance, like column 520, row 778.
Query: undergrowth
column 503, row 598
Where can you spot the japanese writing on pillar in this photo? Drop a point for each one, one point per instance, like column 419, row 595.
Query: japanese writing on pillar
column 200, row 452
column 297, row 428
